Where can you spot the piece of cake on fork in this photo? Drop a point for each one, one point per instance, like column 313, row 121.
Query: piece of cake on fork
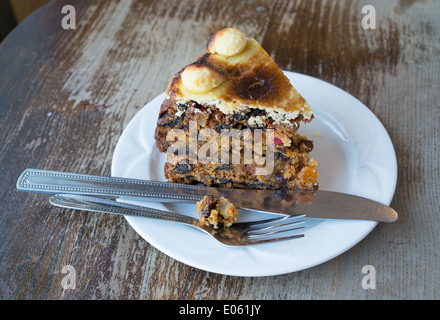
column 235, row 87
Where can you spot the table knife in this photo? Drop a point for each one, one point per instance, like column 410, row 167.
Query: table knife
column 314, row 204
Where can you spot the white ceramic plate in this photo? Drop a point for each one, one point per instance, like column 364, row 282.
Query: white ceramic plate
column 355, row 155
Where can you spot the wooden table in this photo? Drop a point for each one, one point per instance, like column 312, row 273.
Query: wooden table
column 67, row 95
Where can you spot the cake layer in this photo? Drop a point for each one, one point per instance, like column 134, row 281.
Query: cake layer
column 287, row 173
column 180, row 116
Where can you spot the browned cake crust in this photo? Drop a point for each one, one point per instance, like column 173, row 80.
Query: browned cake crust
column 250, row 79
column 246, row 84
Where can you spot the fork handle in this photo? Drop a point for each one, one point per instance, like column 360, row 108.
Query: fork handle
column 102, row 205
column 56, row 182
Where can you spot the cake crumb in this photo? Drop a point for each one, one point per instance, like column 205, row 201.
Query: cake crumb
column 215, row 212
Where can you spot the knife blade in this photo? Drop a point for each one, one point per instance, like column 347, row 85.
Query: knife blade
column 314, row 204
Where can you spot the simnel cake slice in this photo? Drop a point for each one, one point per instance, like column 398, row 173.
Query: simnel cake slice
column 235, row 87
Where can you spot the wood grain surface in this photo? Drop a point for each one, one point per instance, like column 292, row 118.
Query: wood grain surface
column 67, row 95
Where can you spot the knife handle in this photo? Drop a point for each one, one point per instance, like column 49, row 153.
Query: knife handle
column 55, row 182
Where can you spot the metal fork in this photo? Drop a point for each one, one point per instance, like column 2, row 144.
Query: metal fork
column 239, row 234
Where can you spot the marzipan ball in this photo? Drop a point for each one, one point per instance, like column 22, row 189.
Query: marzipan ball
column 201, row 78
column 227, row 42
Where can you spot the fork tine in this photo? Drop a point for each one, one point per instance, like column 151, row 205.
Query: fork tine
column 279, row 230
column 254, row 224
column 266, row 228
column 272, row 232
column 266, row 240
column 273, row 222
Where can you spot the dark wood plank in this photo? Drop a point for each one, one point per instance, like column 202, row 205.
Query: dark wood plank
column 67, row 95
